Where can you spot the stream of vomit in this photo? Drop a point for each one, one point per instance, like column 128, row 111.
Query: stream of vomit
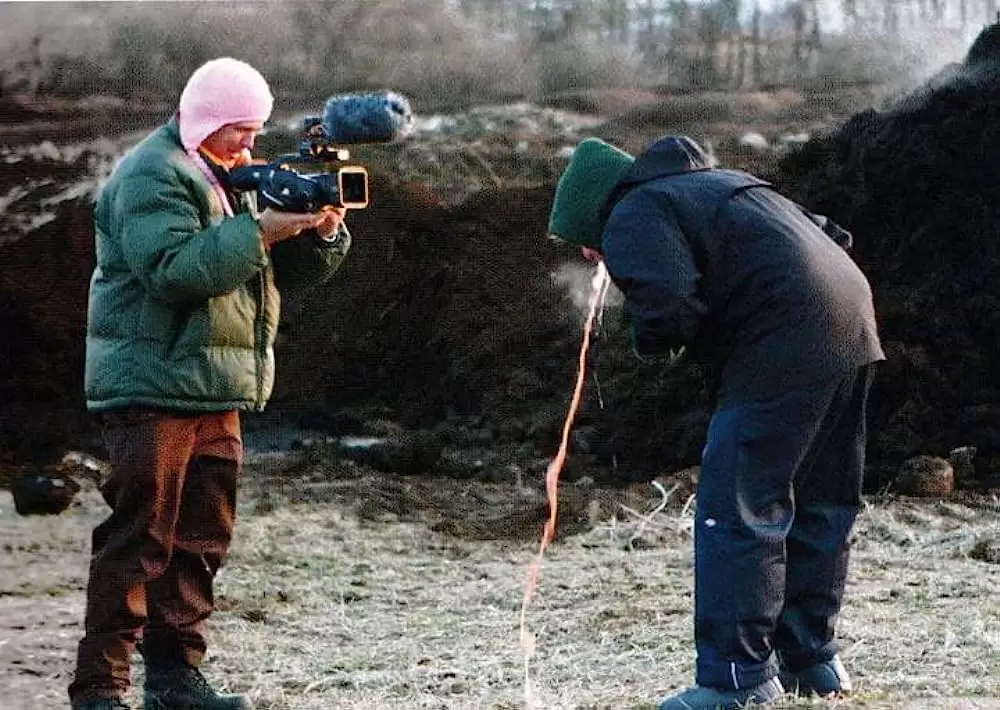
column 599, row 290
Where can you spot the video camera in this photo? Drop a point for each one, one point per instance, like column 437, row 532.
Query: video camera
column 348, row 119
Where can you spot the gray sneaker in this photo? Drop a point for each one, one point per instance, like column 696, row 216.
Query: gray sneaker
column 704, row 698
column 823, row 679
column 185, row 688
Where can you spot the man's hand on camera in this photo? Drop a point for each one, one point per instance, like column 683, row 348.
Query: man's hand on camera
column 331, row 218
column 276, row 226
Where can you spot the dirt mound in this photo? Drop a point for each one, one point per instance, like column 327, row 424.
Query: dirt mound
column 443, row 315
column 446, row 314
column 919, row 185
column 455, row 314
column 28, row 118
column 43, row 289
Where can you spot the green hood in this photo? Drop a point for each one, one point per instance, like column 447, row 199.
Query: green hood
column 592, row 173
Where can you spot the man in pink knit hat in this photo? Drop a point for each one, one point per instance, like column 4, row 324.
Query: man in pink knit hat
column 182, row 318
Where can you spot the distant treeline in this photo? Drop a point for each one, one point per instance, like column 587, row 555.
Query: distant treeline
column 458, row 52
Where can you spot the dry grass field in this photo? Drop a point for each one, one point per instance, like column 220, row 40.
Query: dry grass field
column 357, row 590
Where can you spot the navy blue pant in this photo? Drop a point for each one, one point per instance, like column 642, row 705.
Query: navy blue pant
column 779, row 490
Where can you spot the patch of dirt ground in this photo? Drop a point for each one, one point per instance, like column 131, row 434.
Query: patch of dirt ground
column 353, row 589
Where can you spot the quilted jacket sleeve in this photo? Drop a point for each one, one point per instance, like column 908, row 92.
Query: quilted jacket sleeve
column 169, row 243
column 307, row 260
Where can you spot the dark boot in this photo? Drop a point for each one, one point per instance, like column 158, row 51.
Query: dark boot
column 101, row 704
column 182, row 687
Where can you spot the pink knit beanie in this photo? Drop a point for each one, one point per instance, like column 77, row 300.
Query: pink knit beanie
column 220, row 92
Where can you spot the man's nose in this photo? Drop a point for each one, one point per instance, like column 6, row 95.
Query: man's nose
column 248, row 141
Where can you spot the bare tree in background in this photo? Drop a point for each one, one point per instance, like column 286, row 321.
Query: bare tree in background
column 470, row 50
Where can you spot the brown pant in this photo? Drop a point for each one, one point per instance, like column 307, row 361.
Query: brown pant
column 172, row 491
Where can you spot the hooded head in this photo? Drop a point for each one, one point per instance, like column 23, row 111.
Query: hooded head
column 591, row 176
column 220, row 92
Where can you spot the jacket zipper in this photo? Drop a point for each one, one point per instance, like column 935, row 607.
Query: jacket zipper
column 260, row 346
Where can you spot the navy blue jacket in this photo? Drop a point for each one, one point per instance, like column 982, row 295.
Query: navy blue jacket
column 720, row 262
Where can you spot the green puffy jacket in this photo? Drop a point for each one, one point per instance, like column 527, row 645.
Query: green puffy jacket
column 184, row 302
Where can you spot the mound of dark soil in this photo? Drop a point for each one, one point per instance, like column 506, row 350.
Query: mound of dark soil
column 445, row 314
column 457, row 314
column 441, row 314
column 919, row 185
